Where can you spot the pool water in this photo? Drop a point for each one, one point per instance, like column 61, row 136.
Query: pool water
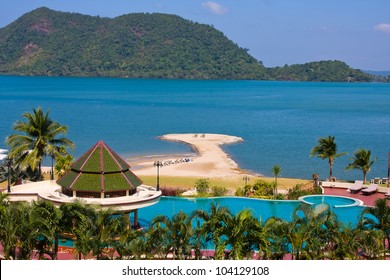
column 331, row 200
column 262, row 209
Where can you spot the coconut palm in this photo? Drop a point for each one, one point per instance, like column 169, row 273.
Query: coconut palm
column 378, row 219
column 276, row 169
column 327, row 149
column 38, row 139
column 362, row 160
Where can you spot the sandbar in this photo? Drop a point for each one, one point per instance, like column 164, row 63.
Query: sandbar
column 210, row 161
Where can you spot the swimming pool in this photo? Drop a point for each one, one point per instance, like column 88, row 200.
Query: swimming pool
column 332, row 200
column 262, row 209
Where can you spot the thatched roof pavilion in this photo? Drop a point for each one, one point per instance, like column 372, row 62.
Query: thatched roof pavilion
column 99, row 173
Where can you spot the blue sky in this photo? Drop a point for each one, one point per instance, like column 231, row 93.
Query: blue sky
column 276, row 32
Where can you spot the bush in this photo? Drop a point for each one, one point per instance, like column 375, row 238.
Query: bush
column 279, row 196
column 297, row 191
column 202, row 186
column 218, row 191
column 263, row 189
column 171, row 191
column 260, row 189
column 240, row 192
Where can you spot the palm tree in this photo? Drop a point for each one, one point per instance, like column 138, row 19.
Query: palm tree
column 327, row 149
column 16, row 232
column 308, row 231
column 371, row 245
column 379, row 219
column 362, row 160
column 45, row 219
column 276, row 169
column 178, row 231
column 104, row 228
column 63, row 163
column 345, row 244
column 239, row 233
column 38, row 139
column 209, row 222
column 128, row 242
column 76, row 221
column 9, row 171
column 278, row 246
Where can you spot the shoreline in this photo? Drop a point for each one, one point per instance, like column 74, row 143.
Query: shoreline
column 208, row 160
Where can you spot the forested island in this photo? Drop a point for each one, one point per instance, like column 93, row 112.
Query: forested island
column 51, row 43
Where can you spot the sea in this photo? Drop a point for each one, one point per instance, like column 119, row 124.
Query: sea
column 280, row 122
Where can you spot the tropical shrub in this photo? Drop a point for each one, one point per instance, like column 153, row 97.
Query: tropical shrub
column 202, row 186
column 218, row 191
column 261, row 189
column 298, row 191
column 171, row 191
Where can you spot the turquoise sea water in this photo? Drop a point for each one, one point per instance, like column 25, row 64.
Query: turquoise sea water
column 279, row 121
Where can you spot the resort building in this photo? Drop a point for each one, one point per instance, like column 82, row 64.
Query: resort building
column 99, row 177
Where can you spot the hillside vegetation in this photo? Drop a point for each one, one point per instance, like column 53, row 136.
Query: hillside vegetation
column 46, row 42
column 50, row 43
column 323, row 71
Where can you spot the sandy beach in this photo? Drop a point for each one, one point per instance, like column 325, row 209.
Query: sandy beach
column 210, row 161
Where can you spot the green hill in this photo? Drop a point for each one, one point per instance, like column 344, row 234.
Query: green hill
column 322, row 71
column 50, row 43
column 46, row 42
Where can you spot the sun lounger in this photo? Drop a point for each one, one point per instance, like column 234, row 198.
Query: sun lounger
column 387, row 195
column 377, row 181
column 357, row 187
column 373, row 188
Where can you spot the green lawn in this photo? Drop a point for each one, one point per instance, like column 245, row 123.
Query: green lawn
column 229, row 183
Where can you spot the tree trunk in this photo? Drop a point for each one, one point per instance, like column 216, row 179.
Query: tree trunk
column 40, row 171
column 55, row 255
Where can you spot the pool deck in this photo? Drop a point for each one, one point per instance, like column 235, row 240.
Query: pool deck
column 341, row 189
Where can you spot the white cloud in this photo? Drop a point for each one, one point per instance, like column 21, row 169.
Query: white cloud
column 215, row 8
column 383, row 27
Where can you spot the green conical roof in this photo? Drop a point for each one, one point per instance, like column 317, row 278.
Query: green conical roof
column 100, row 169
